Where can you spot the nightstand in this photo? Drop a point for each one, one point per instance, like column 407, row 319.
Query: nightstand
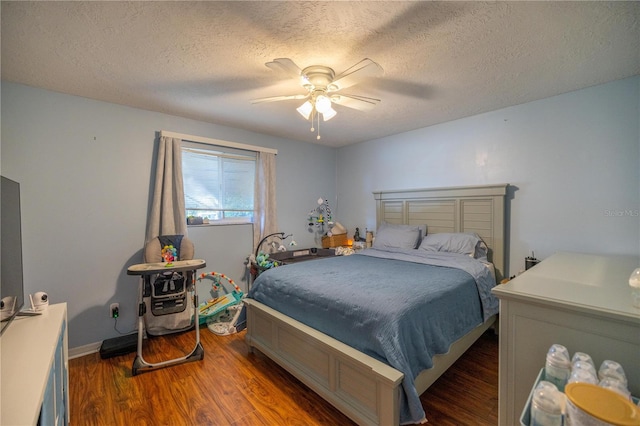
column 294, row 256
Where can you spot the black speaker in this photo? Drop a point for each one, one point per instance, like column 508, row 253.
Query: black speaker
column 119, row 346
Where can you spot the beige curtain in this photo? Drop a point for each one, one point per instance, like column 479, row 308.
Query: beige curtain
column 167, row 215
column 265, row 220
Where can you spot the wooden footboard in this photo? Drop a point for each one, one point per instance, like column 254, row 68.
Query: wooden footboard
column 363, row 388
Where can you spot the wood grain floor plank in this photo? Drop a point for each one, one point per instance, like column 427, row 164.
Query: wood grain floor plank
column 235, row 387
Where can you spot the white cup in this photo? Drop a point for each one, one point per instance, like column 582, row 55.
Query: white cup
column 547, row 405
column 558, row 366
column 582, row 357
column 613, row 370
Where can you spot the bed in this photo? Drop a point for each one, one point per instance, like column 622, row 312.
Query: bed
column 370, row 379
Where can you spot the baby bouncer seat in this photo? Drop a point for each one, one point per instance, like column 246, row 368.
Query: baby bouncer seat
column 167, row 296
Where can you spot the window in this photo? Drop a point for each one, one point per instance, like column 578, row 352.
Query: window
column 218, row 182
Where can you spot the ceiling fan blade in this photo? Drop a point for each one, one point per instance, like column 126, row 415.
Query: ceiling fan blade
column 361, row 103
column 285, row 66
column 278, row 98
column 363, row 69
column 359, row 97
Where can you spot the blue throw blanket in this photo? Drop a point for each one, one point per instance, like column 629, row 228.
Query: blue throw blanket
column 401, row 307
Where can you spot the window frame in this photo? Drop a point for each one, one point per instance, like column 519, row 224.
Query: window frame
column 221, row 153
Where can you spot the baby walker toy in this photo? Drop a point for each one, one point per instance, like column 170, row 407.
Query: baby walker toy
column 222, row 313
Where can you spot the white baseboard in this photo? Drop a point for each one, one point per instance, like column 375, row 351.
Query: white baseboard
column 84, row 350
column 91, row 348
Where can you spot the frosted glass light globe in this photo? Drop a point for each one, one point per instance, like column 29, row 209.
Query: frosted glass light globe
column 323, row 104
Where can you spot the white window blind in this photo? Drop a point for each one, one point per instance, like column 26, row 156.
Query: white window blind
column 218, row 182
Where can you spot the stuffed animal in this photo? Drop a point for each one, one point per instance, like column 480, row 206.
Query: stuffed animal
column 262, row 260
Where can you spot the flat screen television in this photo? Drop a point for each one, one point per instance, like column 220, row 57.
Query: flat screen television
column 11, row 284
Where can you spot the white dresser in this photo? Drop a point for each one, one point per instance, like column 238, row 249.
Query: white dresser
column 581, row 301
column 34, row 365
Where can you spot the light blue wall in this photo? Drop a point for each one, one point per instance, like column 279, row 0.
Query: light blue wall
column 85, row 169
column 572, row 160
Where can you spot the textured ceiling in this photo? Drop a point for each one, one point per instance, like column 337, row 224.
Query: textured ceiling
column 205, row 60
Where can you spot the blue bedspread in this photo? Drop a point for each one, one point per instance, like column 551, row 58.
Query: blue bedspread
column 399, row 307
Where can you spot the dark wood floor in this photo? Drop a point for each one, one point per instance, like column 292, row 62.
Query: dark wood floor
column 234, row 387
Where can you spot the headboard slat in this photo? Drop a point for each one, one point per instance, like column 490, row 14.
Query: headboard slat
column 479, row 209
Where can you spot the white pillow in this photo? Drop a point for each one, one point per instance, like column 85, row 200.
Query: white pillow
column 466, row 243
column 392, row 236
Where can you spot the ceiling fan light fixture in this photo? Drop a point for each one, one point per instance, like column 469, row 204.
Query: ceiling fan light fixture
column 329, row 114
column 305, row 110
column 321, row 84
column 323, row 104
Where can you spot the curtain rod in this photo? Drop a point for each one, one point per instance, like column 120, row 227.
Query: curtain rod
column 218, row 142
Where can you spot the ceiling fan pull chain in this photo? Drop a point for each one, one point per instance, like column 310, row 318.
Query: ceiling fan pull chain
column 318, row 120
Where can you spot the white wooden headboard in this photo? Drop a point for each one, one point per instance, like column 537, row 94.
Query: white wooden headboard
column 479, row 209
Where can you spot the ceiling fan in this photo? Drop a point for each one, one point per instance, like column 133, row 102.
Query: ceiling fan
column 322, row 88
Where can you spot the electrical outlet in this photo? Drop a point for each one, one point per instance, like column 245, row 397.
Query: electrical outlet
column 114, row 310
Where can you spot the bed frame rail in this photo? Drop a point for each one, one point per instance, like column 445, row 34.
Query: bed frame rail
column 363, row 388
